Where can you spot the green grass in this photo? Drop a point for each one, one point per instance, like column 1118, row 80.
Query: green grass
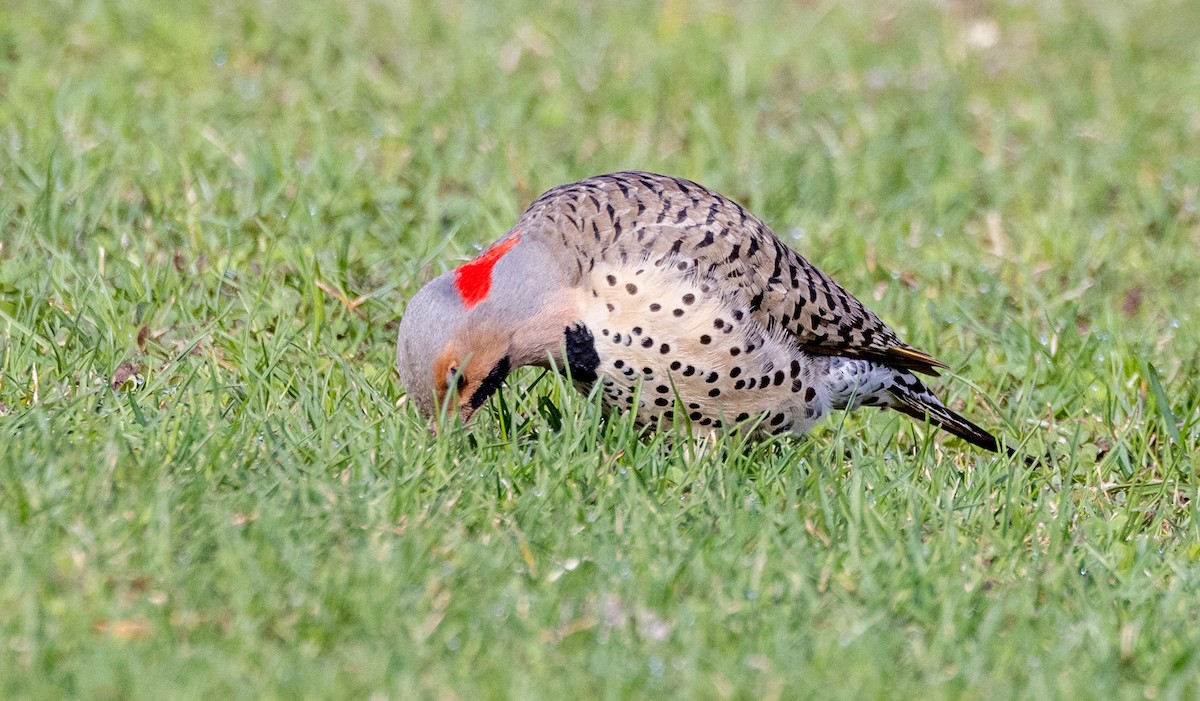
column 237, row 198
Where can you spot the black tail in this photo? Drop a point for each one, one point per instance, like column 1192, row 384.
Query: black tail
column 919, row 403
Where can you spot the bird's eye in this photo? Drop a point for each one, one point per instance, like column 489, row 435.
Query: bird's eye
column 455, row 379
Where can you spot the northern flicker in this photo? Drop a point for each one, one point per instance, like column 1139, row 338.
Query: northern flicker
column 679, row 302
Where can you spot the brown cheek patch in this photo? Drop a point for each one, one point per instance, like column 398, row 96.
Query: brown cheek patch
column 473, row 279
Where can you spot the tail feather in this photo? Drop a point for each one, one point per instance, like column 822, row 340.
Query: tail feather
column 856, row 382
column 918, row 402
column 926, row 407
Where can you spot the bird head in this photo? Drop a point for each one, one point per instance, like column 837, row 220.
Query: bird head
column 466, row 330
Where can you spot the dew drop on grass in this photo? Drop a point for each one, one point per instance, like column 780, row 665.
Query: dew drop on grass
column 656, row 666
column 220, row 57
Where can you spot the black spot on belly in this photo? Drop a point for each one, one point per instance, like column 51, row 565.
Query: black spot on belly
column 582, row 358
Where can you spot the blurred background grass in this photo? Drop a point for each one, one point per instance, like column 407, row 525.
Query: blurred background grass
column 220, row 208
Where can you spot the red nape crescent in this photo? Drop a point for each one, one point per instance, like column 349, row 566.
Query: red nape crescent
column 473, row 279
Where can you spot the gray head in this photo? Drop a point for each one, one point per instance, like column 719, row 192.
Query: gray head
column 429, row 321
column 465, row 331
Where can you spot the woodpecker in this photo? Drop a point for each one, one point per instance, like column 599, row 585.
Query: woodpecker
column 681, row 304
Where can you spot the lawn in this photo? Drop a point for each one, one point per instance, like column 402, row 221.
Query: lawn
column 211, row 485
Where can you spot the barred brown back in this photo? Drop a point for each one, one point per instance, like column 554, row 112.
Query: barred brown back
column 625, row 217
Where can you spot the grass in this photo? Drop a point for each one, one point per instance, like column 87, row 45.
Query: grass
column 210, row 483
